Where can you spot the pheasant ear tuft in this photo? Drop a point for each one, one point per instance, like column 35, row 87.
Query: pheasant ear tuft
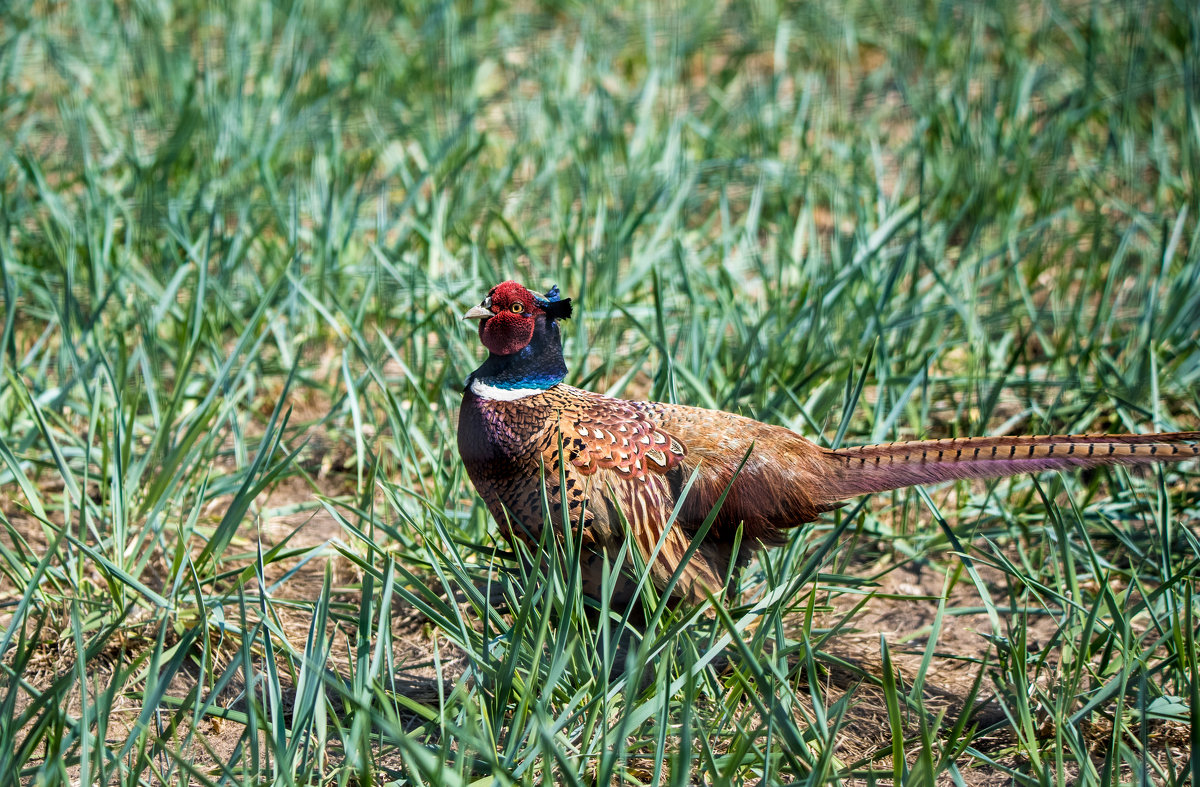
column 555, row 307
column 558, row 310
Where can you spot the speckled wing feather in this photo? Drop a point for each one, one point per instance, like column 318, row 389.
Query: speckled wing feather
column 626, row 461
column 618, row 435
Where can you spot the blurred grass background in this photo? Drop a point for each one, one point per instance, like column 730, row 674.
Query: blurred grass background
column 235, row 241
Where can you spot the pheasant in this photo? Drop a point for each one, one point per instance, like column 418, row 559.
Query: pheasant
column 624, row 465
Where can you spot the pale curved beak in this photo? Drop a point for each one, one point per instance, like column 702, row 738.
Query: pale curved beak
column 477, row 313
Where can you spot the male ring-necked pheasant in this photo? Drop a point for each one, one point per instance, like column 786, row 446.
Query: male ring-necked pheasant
column 638, row 456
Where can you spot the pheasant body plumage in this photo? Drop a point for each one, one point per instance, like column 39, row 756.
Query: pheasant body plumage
column 509, row 447
column 622, row 466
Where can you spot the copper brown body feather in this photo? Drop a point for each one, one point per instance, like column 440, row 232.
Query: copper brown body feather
column 636, row 457
column 622, row 467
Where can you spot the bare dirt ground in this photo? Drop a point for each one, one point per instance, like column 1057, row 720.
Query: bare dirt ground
column 902, row 611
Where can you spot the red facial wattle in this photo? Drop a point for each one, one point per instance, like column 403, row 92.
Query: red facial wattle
column 509, row 327
column 506, row 332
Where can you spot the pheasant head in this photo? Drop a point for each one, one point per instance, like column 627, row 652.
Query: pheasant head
column 509, row 316
column 519, row 328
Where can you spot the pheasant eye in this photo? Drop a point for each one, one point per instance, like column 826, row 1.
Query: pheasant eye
column 517, row 307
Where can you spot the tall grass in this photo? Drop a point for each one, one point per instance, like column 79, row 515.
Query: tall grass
column 235, row 241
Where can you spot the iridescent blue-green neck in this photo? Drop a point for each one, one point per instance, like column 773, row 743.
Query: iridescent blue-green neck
column 537, row 366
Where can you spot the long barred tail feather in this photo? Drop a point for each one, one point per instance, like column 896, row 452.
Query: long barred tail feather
column 878, row 468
